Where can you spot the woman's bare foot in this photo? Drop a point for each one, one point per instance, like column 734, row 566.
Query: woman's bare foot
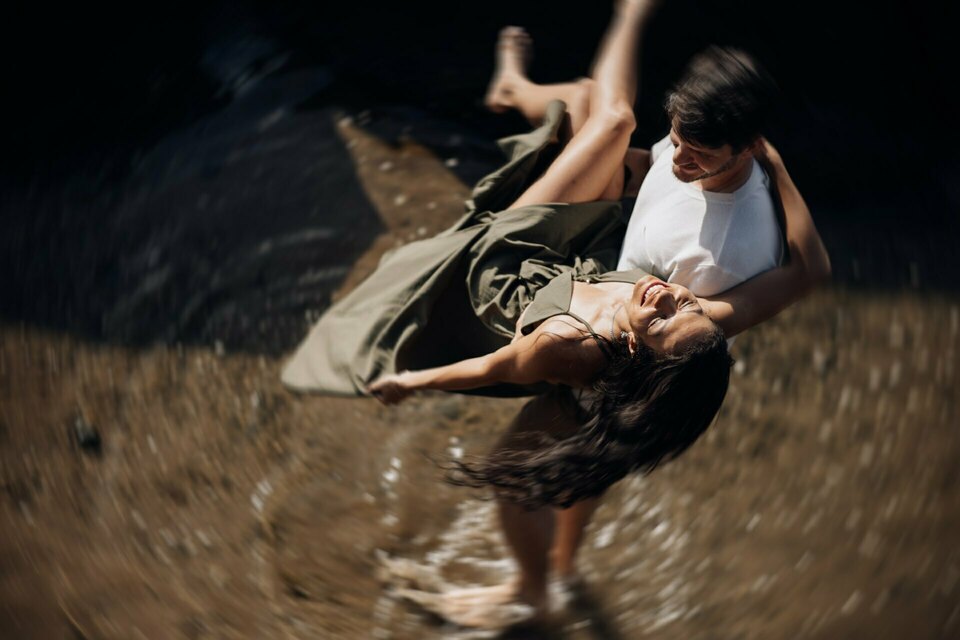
column 514, row 48
column 496, row 607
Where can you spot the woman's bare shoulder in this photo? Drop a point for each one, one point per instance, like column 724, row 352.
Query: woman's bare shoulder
column 572, row 353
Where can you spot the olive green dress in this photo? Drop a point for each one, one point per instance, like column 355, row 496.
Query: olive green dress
column 459, row 294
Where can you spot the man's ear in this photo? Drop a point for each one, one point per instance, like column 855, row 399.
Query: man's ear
column 755, row 147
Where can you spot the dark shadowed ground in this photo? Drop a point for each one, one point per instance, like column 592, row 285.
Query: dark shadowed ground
column 183, row 192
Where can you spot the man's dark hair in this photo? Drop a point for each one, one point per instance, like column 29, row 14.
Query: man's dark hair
column 725, row 97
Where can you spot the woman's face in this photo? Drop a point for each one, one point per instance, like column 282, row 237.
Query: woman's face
column 666, row 317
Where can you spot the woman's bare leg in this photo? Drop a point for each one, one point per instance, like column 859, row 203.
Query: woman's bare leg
column 511, row 88
column 569, row 531
column 590, row 166
column 529, row 534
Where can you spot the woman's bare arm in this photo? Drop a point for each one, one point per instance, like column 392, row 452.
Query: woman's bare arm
column 546, row 355
column 765, row 295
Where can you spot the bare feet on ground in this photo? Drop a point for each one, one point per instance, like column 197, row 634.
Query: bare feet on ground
column 495, row 607
column 514, row 47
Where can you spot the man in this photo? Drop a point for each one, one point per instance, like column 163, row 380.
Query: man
column 704, row 216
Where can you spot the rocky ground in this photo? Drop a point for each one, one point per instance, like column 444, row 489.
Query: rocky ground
column 180, row 491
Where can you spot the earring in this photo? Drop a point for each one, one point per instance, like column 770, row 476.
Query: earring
column 624, row 335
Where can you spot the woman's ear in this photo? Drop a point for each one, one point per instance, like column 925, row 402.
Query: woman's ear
column 632, row 343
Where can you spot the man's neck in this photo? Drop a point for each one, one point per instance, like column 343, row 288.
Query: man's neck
column 731, row 180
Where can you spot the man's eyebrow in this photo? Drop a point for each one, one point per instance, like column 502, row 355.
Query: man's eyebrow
column 692, row 147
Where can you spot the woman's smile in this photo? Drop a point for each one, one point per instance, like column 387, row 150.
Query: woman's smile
column 653, row 287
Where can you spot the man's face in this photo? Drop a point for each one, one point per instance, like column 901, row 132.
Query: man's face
column 692, row 162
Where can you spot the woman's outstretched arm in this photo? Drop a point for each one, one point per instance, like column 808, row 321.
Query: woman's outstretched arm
column 550, row 354
column 765, row 295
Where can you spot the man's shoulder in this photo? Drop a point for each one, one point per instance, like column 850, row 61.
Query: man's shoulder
column 659, row 147
column 755, row 199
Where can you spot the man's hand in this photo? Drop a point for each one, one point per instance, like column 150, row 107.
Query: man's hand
column 391, row 389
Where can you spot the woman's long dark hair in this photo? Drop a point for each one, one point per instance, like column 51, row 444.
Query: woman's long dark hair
column 650, row 407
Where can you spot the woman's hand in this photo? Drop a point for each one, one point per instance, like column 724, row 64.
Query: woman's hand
column 392, row 388
column 766, row 154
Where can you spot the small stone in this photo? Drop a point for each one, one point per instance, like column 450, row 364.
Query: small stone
column 400, row 200
column 203, row 538
column 218, row 348
column 386, row 165
column 87, row 436
column 866, row 455
column 389, row 520
column 895, row 370
column 449, row 407
column 451, row 162
column 820, row 360
column 852, row 603
column 604, row 537
column 896, row 335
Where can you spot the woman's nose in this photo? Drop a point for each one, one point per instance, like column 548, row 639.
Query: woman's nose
column 666, row 303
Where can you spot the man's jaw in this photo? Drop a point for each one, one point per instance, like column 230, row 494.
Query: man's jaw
column 688, row 174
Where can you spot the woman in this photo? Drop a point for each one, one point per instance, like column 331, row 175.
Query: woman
column 658, row 355
column 539, row 306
